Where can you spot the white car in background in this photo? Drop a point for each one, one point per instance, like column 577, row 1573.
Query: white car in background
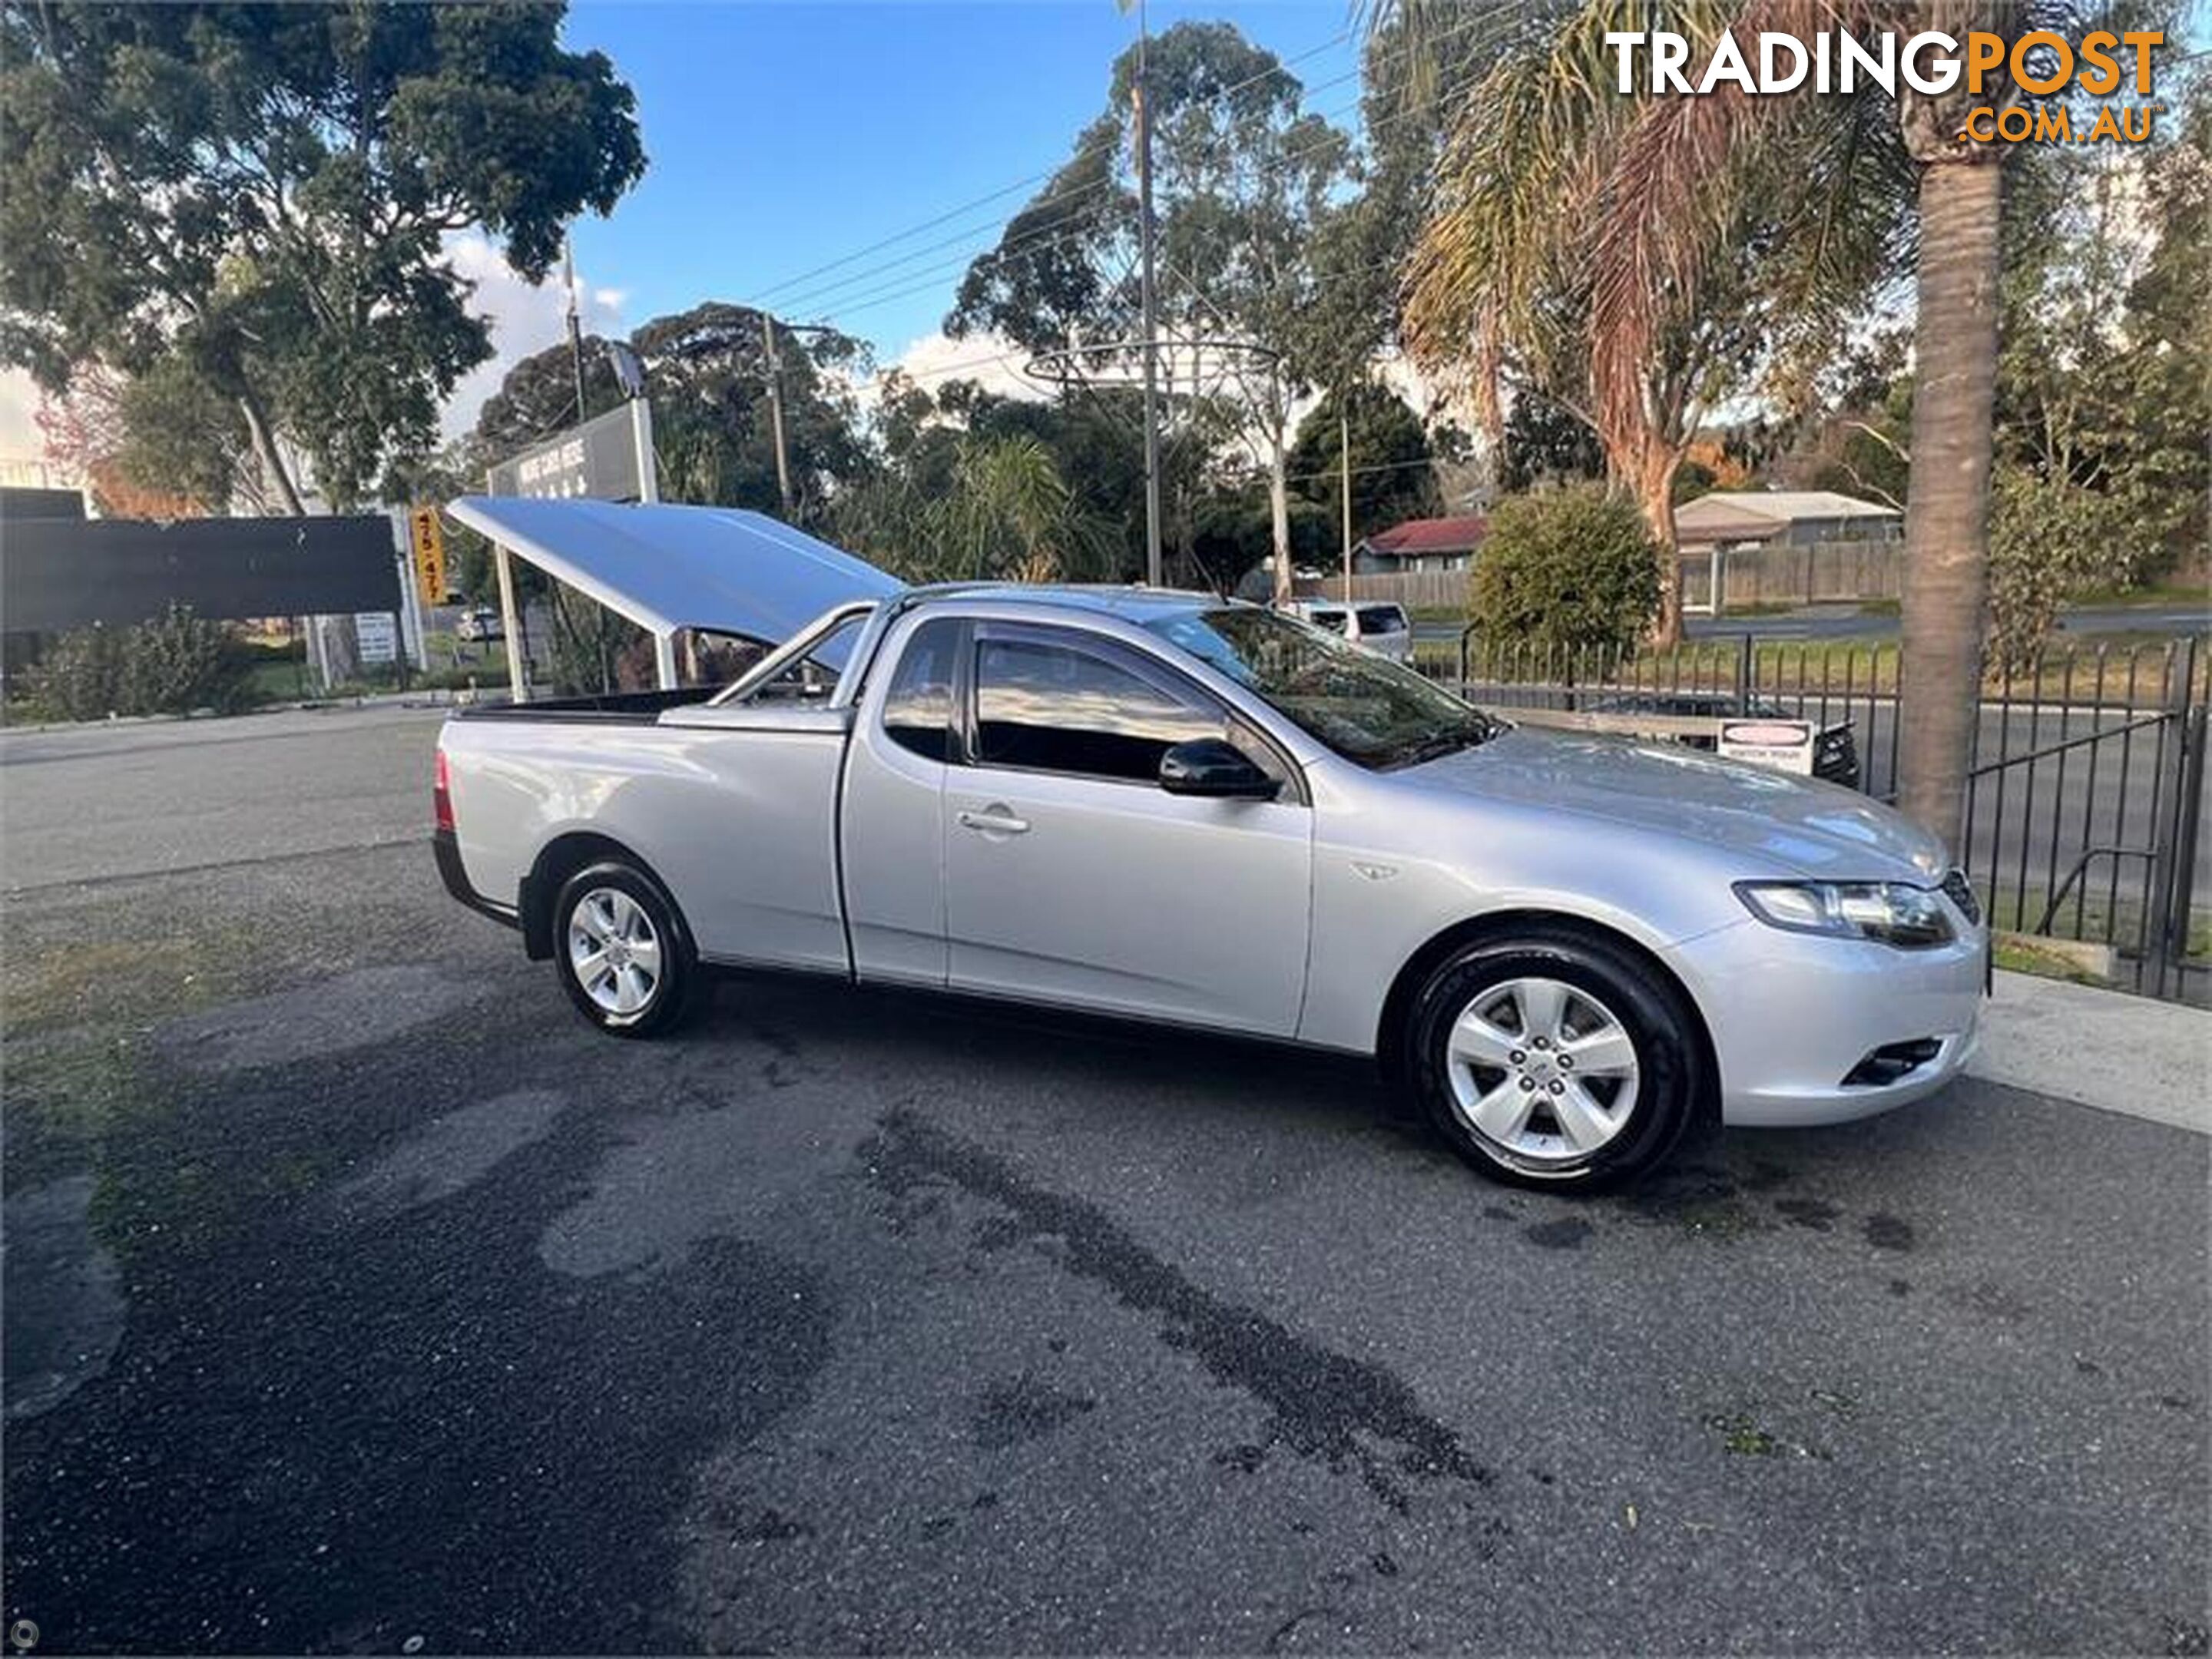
column 1383, row 629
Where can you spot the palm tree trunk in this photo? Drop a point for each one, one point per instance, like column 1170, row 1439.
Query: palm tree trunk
column 1651, row 476
column 1946, row 515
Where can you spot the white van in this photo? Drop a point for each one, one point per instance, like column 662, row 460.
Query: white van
column 1383, row 629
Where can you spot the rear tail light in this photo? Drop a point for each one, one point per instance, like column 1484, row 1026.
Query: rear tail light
column 441, row 793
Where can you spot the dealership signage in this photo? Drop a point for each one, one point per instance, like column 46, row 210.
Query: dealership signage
column 596, row 461
column 1784, row 746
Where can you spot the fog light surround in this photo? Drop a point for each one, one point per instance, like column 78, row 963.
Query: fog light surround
column 1892, row 1063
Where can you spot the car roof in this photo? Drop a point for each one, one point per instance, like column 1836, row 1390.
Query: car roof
column 1134, row 603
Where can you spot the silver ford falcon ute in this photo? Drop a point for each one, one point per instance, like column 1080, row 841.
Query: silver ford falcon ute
column 1159, row 806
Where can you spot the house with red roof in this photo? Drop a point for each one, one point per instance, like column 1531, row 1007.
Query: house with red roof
column 1421, row 544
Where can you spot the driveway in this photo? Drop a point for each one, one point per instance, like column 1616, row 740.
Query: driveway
column 358, row 1296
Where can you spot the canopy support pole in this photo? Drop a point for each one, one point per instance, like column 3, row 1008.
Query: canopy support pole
column 518, row 667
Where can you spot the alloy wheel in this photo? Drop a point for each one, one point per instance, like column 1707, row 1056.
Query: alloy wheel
column 1542, row 1070
column 615, row 952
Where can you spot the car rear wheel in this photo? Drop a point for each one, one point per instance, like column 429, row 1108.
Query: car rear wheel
column 622, row 951
column 1553, row 1059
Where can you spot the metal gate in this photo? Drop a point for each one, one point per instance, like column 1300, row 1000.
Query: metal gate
column 2085, row 811
column 2085, row 807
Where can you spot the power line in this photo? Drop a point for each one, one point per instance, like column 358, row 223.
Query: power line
column 909, row 282
column 1046, row 237
column 1280, row 67
column 1043, row 239
column 812, row 295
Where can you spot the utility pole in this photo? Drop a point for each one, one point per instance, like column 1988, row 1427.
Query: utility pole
column 575, row 325
column 1344, row 447
column 776, row 413
column 1152, row 569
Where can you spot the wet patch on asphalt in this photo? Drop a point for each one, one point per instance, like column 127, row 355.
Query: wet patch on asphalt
column 344, row 1425
column 1886, row 1232
column 451, row 1153
column 314, row 1021
column 1024, row 1407
column 1322, row 1405
column 1567, row 1234
column 1813, row 1214
column 64, row 1302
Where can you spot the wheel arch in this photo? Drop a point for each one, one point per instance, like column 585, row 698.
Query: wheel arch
column 1397, row 1005
column 560, row 859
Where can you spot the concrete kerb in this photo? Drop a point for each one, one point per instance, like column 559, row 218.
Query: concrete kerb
column 2101, row 1048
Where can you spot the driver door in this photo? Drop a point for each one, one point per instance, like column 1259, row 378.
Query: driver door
column 1071, row 876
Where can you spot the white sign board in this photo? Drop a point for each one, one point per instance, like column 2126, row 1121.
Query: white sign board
column 379, row 635
column 1784, row 746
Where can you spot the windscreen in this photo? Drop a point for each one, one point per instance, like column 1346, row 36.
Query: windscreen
column 1363, row 707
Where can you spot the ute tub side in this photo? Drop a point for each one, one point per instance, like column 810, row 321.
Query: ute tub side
column 735, row 817
column 629, row 708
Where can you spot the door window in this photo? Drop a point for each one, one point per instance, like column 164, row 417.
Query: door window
column 918, row 704
column 1048, row 706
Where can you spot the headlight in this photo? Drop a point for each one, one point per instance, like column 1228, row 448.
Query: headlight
column 1891, row 912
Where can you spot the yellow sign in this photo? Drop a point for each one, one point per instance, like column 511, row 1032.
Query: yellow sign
column 425, row 537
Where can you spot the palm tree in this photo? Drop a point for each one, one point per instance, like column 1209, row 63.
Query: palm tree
column 1528, row 185
column 1005, row 513
column 1663, row 169
column 1674, row 176
column 1009, row 516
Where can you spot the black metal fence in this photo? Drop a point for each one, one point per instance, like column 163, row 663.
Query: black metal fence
column 2086, row 805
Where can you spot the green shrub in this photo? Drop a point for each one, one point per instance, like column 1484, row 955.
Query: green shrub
column 1568, row 568
column 170, row 664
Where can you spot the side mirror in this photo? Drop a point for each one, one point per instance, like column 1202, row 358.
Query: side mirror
column 1217, row 767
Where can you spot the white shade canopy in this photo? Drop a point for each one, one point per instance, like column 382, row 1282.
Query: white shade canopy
column 670, row 568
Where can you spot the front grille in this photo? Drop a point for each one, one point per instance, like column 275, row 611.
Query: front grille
column 1891, row 1062
column 1960, row 892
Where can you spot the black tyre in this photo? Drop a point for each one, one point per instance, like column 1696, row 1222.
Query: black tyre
column 1553, row 1059
column 622, row 951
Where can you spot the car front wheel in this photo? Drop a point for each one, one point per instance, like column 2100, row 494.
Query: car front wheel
column 621, row 951
column 1553, row 1059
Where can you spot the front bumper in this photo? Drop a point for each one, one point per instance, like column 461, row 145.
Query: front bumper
column 1792, row 1015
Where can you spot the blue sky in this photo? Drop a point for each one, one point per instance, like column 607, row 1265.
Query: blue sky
column 782, row 136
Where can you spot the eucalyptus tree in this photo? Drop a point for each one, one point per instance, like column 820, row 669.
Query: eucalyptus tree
column 707, row 374
column 1243, row 184
column 259, row 197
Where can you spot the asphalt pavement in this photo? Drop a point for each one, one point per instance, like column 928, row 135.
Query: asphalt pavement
column 359, row 1298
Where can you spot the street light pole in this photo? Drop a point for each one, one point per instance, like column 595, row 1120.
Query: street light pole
column 1153, row 567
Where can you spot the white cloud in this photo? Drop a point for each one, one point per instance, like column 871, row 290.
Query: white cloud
column 526, row 317
column 20, row 438
column 994, row 363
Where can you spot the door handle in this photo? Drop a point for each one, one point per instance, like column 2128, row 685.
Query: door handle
column 993, row 821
